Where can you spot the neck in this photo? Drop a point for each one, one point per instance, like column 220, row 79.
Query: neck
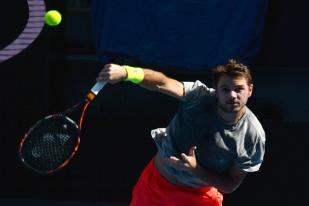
column 231, row 117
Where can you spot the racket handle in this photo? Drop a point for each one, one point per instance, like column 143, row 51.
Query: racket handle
column 95, row 90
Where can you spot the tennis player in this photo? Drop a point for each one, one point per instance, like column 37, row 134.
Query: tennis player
column 211, row 143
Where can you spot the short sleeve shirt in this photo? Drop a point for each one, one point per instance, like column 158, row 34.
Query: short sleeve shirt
column 219, row 144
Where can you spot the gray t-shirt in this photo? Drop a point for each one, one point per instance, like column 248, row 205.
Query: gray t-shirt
column 219, row 144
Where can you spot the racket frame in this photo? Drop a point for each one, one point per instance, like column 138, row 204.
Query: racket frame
column 89, row 97
column 76, row 146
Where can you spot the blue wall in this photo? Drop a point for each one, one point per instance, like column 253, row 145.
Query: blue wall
column 189, row 35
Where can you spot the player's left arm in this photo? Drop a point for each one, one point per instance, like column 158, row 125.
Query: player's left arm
column 226, row 182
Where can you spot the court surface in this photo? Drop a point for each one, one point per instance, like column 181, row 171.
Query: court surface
column 28, row 202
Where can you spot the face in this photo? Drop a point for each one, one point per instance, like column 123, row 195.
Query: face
column 232, row 93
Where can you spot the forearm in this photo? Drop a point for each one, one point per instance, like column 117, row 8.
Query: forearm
column 157, row 81
column 223, row 182
column 153, row 80
column 146, row 78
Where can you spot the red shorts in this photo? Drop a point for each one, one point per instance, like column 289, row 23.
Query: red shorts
column 152, row 189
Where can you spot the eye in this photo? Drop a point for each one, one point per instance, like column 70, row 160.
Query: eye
column 239, row 89
column 225, row 89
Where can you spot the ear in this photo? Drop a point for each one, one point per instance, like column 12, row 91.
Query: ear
column 250, row 90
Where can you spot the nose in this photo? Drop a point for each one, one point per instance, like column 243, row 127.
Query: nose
column 233, row 94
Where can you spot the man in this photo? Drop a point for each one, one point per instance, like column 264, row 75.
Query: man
column 210, row 144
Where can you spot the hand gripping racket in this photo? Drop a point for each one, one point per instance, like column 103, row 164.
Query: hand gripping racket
column 52, row 142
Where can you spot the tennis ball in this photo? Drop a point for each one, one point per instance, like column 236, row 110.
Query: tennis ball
column 52, row 18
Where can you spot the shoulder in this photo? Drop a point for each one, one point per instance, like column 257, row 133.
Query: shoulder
column 254, row 126
column 195, row 90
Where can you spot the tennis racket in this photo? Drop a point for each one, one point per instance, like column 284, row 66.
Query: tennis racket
column 52, row 142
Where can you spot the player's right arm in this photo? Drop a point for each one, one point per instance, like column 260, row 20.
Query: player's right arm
column 153, row 80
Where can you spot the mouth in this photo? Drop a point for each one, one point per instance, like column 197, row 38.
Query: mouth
column 233, row 103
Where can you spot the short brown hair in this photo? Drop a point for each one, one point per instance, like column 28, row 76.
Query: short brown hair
column 231, row 69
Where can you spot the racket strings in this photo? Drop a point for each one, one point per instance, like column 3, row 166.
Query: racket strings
column 50, row 143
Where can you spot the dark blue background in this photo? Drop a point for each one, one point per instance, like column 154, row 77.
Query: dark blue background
column 61, row 65
column 191, row 35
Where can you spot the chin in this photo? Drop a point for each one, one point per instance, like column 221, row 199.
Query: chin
column 233, row 109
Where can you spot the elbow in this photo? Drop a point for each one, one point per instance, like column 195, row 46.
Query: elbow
column 229, row 189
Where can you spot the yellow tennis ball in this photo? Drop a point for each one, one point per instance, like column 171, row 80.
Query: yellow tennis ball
column 52, row 18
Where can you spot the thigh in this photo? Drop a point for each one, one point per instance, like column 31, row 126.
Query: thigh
column 195, row 198
column 147, row 190
column 154, row 190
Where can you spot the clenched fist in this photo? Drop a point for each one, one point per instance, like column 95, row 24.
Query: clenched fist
column 112, row 73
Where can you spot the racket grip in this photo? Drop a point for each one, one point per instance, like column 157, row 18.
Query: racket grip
column 95, row 90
